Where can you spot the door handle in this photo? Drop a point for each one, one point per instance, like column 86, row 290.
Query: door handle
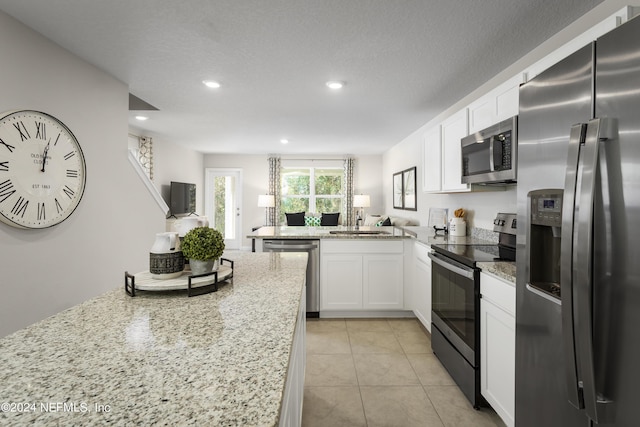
column 495, row 152
column 492, row 165
column 449, row 265
column 598, row 131
column 576, row 140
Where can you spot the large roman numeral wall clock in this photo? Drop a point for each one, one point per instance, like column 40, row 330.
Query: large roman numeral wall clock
column 42, row 170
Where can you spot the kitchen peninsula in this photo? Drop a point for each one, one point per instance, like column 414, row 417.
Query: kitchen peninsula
column 226, row 358
column 339, row 232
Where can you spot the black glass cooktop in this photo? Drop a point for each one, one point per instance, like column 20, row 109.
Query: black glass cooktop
column 471, row 254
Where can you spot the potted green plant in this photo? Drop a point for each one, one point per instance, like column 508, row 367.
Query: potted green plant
column 203, row 246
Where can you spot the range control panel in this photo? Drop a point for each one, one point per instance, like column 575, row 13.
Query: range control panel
column 505, row 223
column 546, row 207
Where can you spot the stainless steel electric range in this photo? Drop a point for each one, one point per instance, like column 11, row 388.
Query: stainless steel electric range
column 455, row 332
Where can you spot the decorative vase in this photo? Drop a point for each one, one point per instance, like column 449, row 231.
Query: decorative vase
column 199, row 266
column 166, row 260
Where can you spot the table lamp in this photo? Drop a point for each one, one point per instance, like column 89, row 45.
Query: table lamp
column 266, row 201
column 360, row 201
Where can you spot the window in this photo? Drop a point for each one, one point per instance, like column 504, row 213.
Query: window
column 311, row 189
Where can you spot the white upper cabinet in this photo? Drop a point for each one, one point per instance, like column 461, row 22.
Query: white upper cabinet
column 441, row 156
column 454, row 128
column 497, row 105
column 432, row 160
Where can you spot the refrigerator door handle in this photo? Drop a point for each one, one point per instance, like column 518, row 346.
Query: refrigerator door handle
column 598, row 131
column 576, row 140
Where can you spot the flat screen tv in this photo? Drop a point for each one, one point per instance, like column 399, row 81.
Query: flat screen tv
column 183, row 198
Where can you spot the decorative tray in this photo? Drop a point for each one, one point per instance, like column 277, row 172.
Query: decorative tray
column 195, row 284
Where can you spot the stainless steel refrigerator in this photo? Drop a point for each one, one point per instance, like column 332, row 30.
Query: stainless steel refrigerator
column 578, row 243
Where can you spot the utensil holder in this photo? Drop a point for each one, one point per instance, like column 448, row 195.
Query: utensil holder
column 457, row 227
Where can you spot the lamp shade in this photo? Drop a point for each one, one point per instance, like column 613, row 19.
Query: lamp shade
column 361, row 201
column 266, row 201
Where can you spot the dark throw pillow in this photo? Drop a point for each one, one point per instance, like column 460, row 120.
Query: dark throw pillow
column 329, row 219
column 386, row 222
column 295, row 218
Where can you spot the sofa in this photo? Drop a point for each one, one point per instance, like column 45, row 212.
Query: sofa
column 381, row 219
column 316, row 220
column 301, row 218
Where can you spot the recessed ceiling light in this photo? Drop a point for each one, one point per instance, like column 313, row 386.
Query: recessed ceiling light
column 335, row 85
column 211, row 84
column 141, row 118
column 284, row 141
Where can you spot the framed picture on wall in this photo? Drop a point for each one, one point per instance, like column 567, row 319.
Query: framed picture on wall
column 409, row 189
column 398, row 191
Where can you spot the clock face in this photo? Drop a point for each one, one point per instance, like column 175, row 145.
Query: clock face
column 42, row 170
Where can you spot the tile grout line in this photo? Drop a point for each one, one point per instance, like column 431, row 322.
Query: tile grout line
column 364, row 412
column 424, row 390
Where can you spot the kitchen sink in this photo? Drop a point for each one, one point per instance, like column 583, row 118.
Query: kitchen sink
column 358, row 232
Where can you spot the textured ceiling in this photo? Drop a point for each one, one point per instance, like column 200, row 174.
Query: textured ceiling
column 403, row 61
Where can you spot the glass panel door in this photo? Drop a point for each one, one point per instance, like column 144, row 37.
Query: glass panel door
column 223, row 196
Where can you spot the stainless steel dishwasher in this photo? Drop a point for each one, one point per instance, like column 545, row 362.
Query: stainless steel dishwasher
column 312, row 247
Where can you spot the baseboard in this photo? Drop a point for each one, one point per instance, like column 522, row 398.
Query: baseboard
column 366, row 314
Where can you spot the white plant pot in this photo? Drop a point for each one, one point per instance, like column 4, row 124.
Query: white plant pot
column 202, row 267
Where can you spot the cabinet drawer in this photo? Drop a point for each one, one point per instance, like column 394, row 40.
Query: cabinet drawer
column 421, row 252
column 364, row 246
column 500, row 292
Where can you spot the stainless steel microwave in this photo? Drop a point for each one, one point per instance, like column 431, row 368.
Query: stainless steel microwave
column 490, row 156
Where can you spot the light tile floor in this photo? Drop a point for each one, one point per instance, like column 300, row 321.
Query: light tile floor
column 381, row 372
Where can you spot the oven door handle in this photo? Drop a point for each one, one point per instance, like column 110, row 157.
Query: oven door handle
column 451, row 265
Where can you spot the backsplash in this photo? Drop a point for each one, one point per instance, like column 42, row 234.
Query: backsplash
column 481, row 233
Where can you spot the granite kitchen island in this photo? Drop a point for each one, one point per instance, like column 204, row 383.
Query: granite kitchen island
column 163, row 358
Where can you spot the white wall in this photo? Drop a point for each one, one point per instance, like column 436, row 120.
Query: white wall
column 255, row 175
column 368, row 180
column 482, row 206
column 46, row 271
column 172, row 162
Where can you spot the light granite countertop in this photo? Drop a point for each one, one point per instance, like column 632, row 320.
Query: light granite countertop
column 503, row 269
column 306, row 232
column 427, row 236
column 422, row 234
column 161, row 358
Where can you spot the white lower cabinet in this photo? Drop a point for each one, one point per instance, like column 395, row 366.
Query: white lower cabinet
column 422, row 284
column 382, row 282
column 498, row 345
column 361, row 275
column 293, row 398
column 341, row 282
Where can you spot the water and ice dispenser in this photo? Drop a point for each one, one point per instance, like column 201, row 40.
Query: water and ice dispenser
column 544, row 238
